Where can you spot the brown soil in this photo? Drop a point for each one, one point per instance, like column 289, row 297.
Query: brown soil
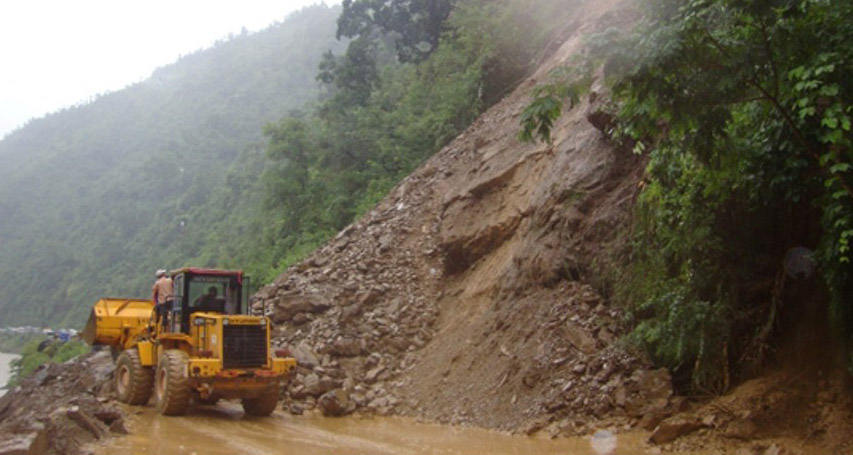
column 466, row 296
column 472, row 294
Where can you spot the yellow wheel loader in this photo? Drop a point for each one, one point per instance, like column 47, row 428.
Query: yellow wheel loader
column 203, row 346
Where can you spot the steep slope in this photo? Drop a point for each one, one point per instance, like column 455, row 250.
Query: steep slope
column 466, row 295
column 473, row 295
column 141, row 178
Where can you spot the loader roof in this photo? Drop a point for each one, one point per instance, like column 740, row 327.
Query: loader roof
column 203, row 271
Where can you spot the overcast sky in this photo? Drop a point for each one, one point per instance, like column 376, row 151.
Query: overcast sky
column 57, row 53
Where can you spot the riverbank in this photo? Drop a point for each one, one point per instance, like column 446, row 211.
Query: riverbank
column 6, row 369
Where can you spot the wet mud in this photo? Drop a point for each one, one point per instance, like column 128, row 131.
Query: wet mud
column 223, row 429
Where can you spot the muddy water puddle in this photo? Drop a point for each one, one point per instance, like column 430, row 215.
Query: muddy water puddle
column 222, row 429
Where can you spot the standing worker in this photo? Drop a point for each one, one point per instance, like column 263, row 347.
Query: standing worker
column 161, row 295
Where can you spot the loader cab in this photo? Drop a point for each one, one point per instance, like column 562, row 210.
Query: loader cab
column 207, row 290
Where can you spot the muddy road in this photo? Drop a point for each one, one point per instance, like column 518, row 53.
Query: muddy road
column 222, row 429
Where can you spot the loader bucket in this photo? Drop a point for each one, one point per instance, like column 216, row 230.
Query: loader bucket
column 88, row 333
column 117, row 322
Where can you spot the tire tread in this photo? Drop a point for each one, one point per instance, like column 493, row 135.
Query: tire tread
column 141, row 379
column 176, row 398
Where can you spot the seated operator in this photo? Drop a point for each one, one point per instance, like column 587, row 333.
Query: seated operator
column 208, row 300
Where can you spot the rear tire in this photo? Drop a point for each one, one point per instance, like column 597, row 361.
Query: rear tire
column 133, row 382
column 263, row 405
column 171, row 388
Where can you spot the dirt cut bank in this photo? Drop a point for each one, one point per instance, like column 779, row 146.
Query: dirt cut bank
column 471, row 294
column 467, row 295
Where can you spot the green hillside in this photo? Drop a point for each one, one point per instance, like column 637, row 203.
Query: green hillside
column 254, row 152
column 94, row 198
column 175, row 171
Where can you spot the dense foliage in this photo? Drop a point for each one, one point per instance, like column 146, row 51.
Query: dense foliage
column 415, row 24
column 161, row 174
column 15, row 342
column 744, row 109
column 174, row 171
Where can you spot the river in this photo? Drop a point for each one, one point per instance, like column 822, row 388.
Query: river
column 222, row 429
column 5, row 369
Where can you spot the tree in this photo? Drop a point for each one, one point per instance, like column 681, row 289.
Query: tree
column 415, row 24
column 745, row 109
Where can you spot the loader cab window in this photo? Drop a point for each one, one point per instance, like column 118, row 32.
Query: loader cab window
column 218, row 294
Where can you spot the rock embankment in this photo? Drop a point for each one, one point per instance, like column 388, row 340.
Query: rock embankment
column 61, row 408
column 472, row 293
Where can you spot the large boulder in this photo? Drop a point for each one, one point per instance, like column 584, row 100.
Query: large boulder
column 347, row 347
column 335, row 403
column 674, row 428
column 289, row 305
column 305, row 355
column 30, row 443
column 650, row 392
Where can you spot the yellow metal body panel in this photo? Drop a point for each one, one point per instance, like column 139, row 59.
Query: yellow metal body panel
column 238, row 387
column 283, row 365
column 118, row 322
column 179, row 341
column 146, row 353
column 208, row 336
column 129, row 323
column 204, row 367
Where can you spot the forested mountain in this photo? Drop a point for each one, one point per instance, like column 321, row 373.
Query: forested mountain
column 94, row 198
column 174, row 171
column 742, row 116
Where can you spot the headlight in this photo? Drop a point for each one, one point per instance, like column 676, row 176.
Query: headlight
column 225, row 321
column 198, row 321
column 263, row 321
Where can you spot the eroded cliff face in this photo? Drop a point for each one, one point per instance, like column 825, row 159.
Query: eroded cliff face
column 466, row 295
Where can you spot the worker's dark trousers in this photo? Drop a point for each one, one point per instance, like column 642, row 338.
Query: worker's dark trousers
column 163, row 313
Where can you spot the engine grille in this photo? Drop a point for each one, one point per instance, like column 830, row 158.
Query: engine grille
column 244, row 346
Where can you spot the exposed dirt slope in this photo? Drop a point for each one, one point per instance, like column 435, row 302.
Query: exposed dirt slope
column 465, row 296
column 469, row 295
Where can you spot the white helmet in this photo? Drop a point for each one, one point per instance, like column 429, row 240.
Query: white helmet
column 161, row 272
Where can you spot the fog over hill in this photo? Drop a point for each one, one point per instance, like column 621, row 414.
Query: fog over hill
column 95, row 197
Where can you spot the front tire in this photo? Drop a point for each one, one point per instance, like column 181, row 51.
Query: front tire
column 172, row 389
column 133, row 382
column 263, row 405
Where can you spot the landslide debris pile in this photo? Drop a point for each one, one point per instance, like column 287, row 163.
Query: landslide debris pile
column 467, row 296
column 61, row 408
